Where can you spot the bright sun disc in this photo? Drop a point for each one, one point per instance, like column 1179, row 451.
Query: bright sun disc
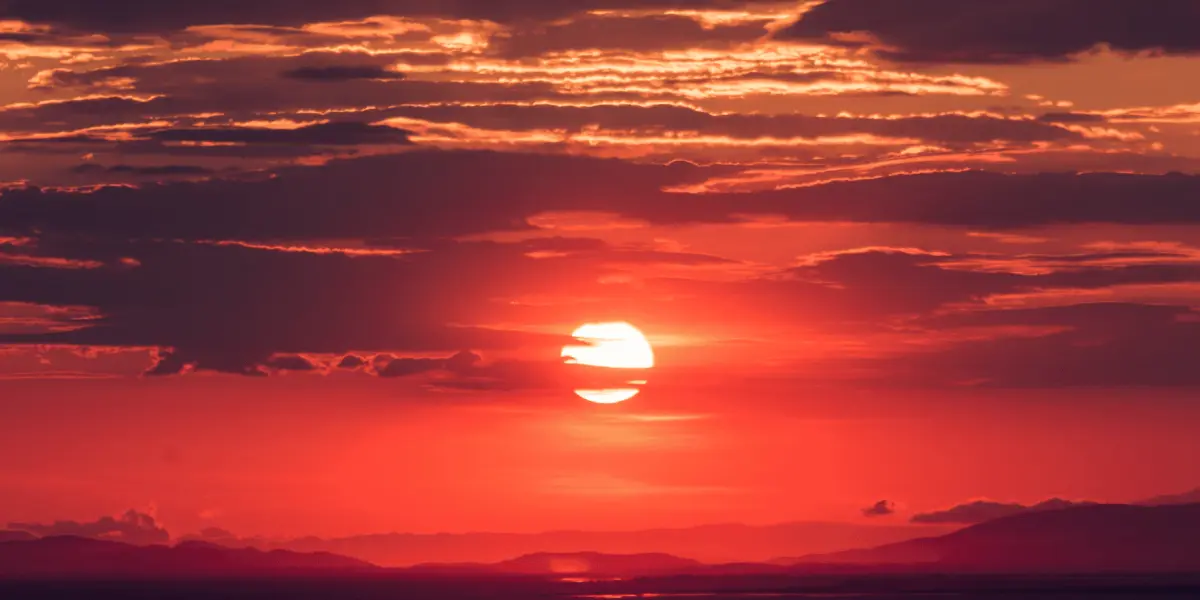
column 612, row 346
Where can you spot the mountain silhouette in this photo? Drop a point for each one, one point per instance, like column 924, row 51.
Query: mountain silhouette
column 706, row 543
column 575, row 564
column 1192, row 497
column 7, row 535
column 1099, row 538
column 75, row 557
column 1080, row 539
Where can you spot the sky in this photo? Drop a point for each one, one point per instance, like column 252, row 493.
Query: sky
column 307, row 268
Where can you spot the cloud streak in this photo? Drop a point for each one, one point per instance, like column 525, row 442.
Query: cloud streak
column 133, row 527
column 1016, row 31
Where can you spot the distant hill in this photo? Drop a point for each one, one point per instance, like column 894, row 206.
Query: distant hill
column 708, row 543
column 74, row 557
column 1192, row 497
column 16, row 536
column 1082, row 539
column 590, row 564
column 1096, row 538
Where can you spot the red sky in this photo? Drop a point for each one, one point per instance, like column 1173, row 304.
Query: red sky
column 309, row 270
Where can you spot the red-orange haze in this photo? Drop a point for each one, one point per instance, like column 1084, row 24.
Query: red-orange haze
column 268, row 274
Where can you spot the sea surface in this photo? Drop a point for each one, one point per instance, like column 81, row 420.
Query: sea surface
column 929, row 588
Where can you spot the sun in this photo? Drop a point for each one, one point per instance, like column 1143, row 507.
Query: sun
column 611, row 346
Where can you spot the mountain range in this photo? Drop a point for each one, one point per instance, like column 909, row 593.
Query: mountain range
column 582, row 564
column 1078, row 539
column 75, row 557
column 708, row 543
column 1089, row 538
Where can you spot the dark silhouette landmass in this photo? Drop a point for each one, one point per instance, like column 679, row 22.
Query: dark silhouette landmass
column 75, row 557
column 1192, row 497
column 1099, row 539
column 982, row 511
column 16, row 536
column 708, row 543
column 1083, row 539
column 574, row 564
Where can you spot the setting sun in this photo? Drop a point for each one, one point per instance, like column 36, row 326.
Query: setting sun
column 611, row 346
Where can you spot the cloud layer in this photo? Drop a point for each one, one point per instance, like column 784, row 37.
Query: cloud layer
column 436, row 192
column 1016, row 31
column 133, row 527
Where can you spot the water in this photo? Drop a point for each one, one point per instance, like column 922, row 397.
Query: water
column 930, row 588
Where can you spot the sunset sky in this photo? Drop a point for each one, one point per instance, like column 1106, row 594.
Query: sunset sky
column 307, row 267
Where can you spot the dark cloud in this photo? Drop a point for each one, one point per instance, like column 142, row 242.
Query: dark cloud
column 234, row 309
column 335, row 133
column 978, row 512
column 974, row 199
column 24, row 38
column 846, row 288
column 217, row 305
column 290, row 363
column 426, row 194
column 883, row 508
column 352, row 363
column 143, row 171
column 462, row 362
column 54, row 38
column 941, row 129
column 132, row 527
column 156, row 170
column 391, row 367
column 913, row 282
column 587, row 250
column 346, row 33
column 1012, row 31
column 250, row 311
column 646, row 33
column 153, row 16
column 1089, row 345
column 945, row 130
column 298, row 72
column 520, row 375
column 233, row 160
column 970, row 342
column 335, row 73
column 1112, row 316
column 467, row 371
column 84, row 112
column 1072, row 117
column 244, row 280
column 235, row 87
column 231, row 361
column 407, row 367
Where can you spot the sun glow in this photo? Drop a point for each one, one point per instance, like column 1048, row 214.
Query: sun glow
column 611, row 346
